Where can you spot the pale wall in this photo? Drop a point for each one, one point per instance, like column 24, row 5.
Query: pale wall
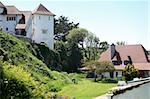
column 43, row 23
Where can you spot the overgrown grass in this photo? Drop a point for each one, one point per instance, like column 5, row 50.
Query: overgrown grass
column 86, row 89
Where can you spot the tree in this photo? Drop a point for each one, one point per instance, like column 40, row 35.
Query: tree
column 120, row 43
column 80, row 46
column 75, row 38
column 92, row 47
column 77, row 35
column 104, row 46
column 100, row 67
column 74, row 57
column 62, row 26
column 70, row 52
column 130, row 72
column 62, row 48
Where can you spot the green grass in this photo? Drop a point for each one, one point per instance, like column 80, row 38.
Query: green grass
column 86, row 89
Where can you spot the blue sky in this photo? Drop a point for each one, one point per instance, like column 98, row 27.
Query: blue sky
column 110, row 20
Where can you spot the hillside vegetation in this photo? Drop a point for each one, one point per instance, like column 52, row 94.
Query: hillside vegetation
column 23, row 74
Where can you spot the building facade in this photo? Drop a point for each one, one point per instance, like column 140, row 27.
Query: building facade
column 121, row 55
column 37, row 25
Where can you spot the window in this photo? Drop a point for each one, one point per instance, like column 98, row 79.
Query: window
column 116, row 74
column 11, row 18
column 39, row 17
column 44, row 31
column 6, row 29
column 49, row 18
column 117, row 62
column 127, row 62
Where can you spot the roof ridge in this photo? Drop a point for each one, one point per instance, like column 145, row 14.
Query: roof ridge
column 41, row 9
column 25, row 11
column 1, row 4
column 10, row 6
column 128, row 45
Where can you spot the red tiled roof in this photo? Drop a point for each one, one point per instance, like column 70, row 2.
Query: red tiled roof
column 136, row 52
column 42, row 10
column 142, row 66
column 139, row 66
column 12, row 10
column 1, row 5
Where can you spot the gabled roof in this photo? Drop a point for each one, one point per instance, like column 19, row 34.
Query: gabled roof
column 42, row 10
column 12, row 10
column 136, row 52
column 1, row 5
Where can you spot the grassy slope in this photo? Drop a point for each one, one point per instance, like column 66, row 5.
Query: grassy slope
column 16, row 56
column 86, row 89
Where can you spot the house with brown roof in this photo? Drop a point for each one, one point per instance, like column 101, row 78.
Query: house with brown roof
column 121, row 55
column 37, row 25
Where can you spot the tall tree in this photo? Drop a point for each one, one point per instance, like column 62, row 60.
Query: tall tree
column 74, row 57
column 62, row 48
column 62, row 26
column 75, row 39
column 92, row 46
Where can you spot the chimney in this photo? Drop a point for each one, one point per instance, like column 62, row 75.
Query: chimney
column 112, row 50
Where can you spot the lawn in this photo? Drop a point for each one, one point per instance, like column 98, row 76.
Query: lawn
column 86, row 89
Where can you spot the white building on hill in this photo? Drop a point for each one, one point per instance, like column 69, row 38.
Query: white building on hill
column 37, row 25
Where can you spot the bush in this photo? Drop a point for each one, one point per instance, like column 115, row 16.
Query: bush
column 130, row 72
column 109, row 80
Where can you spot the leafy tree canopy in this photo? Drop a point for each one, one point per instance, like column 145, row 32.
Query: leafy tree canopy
column 62, row 26
column 100, row 66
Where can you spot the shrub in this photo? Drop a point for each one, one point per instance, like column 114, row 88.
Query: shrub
column 130, row 72
column 109, row 80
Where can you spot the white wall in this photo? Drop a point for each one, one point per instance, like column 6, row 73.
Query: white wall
column 119, row 74
column 41, row 22
column 29, row 27
column 9, row 24
column 2, row 21
column 107, row 74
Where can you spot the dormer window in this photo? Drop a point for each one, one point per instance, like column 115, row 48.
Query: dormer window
column 117, row 62
column 127, row 62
